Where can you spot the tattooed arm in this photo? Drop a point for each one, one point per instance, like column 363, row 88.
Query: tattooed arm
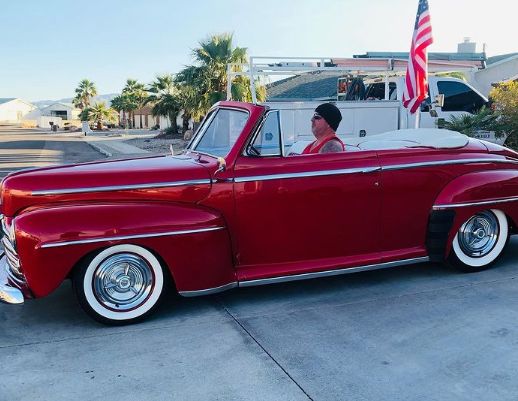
column 331, row 147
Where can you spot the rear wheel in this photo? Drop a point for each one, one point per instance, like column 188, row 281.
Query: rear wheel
column 480, row 241
column 120, row 285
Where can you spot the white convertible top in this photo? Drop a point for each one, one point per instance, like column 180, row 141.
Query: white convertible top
column 412, row 138
column 404, row 138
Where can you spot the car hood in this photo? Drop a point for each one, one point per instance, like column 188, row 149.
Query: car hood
column 164, row 178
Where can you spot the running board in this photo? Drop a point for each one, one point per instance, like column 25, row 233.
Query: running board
column 304, row 276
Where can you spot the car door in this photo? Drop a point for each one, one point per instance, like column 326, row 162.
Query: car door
column 304, row 212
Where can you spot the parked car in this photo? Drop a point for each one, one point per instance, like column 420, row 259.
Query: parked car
column 234, row 210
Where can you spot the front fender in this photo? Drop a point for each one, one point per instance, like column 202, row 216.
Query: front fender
column 473, row 192
column 192, row 241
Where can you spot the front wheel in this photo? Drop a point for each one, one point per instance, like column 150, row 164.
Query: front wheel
column 480, row 241
column 120, row 285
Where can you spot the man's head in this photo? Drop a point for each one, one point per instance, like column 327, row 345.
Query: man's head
column 327, row 117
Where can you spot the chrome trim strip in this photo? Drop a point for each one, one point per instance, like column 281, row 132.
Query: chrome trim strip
column 445, row 162
column 209, row 291
column 8, row 246
column 119, row 187
column 124, row 237
column 307, row 174
column 370, row 169
column 477, row 203
column 328, row 273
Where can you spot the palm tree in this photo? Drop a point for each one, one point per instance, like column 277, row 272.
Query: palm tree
column 193, row 88
column 119, row 104
column 165, row 98
column 205, row 83
column 213, row 55
column 99, row 113
column 134, row 96
column 85, row 91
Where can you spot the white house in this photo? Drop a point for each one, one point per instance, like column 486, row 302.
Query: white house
column 13, row 110
column 505, row 69
column 67, row 111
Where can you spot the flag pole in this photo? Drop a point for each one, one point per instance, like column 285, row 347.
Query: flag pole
column 417, row 118
column 416, row 78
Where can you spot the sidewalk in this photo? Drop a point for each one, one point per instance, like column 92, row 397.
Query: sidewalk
column 114, row 146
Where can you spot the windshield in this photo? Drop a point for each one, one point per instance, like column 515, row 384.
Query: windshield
column 220, row 133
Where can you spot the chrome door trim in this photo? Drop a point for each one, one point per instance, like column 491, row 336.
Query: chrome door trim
column 119, row 187
column 328, row 273
column 209, row 291
column 476, row 203
column 307, row 174
column 445, row 163
column 369, row 169
column 125, row 237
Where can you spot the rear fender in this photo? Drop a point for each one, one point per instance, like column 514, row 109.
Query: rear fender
column 192, row 241
column 474, row 192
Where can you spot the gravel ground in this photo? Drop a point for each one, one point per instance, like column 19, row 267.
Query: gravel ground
column 158, row 145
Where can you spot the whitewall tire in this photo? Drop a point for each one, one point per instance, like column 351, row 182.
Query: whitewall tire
column 480, row 240
column 120, row 285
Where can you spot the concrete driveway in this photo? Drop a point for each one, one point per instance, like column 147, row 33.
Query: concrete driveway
column 420, row 332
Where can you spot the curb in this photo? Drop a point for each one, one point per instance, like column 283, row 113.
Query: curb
column 99, row 149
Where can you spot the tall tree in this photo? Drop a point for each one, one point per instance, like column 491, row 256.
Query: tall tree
column 213, row 56
column 135, row 97
column 85, row 91
column 164, row 96
column 205, row 83
column 118, row 103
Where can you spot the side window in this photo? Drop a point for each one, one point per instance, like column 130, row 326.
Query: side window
column 268, row 140
column 459, row 97
column 376, row 91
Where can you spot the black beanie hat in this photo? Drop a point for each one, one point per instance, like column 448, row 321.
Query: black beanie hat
column 330, row 113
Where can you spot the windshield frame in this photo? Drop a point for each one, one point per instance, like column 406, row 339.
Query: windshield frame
column 191, row 147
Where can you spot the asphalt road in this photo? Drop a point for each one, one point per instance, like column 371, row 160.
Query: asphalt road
column 420, row 332
column 27, row 148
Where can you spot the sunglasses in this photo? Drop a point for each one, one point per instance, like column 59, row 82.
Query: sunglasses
column 317, row 116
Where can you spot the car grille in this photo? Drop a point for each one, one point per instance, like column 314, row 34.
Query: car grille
column 13, row 262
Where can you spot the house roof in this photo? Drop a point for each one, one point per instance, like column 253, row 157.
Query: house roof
column 67, row 105
column 6, row 99
column 312, row 85
column 501, row 57
column 474, row 57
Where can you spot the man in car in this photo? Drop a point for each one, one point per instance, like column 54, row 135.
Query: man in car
column 324, row 124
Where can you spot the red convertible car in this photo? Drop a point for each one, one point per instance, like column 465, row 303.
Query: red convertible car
column 236, row 209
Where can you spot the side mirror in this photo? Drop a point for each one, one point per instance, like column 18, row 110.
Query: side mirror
column 439, row 100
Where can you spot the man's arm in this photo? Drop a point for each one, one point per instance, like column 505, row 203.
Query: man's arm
column 331, row 147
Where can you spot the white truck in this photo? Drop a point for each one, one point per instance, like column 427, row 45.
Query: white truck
column 377, row 114
column 382, row 111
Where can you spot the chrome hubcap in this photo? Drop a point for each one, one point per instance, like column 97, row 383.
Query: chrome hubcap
column 123, row 281
column 478, row 236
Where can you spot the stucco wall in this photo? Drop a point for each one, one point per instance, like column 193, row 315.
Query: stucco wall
column 501, row 71
column 14, row 111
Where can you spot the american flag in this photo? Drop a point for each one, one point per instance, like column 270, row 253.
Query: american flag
column 416, row 85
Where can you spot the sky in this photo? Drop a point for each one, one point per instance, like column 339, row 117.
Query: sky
column 47, row 47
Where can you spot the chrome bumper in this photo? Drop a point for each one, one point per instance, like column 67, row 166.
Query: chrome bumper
column 8, row 293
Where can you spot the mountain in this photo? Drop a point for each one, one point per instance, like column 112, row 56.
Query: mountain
column 100, row 98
